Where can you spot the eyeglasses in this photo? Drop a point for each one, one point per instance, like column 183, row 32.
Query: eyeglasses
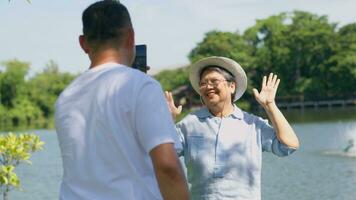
column 212, row 82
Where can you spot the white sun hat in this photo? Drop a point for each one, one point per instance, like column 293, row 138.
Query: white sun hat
column 226, row 63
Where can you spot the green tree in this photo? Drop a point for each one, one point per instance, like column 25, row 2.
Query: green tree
column 172, row 79
column 342, row 68
column 311, row 42
column 12, row 81
column 24, row 114
column 45, row 87
column 296, row 46
column 217, row 43
column 29, row 103
column 267, row 41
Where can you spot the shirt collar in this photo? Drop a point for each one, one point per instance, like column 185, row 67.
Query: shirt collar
column 205, row 113
column 104, row 66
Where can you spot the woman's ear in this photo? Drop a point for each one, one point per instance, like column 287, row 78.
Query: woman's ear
column 233, row 87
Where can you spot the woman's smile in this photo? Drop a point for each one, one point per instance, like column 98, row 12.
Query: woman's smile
column 210, row 94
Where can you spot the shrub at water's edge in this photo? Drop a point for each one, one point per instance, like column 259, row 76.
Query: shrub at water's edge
column 14, row 150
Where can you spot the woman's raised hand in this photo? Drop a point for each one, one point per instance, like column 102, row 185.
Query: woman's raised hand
column 268, row 91
column 175, row 111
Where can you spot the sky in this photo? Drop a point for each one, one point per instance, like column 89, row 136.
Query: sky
column 48, row 30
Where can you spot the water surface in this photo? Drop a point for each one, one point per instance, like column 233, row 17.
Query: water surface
column 312, row 173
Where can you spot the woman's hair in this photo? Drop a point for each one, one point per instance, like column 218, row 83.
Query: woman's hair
column 226, row 74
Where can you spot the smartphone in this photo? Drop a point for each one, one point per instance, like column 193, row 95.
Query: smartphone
column 140, row 62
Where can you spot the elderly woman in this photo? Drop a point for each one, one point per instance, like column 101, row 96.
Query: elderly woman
column 223, row 145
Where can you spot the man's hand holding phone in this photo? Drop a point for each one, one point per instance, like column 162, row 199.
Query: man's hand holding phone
column 140, row 62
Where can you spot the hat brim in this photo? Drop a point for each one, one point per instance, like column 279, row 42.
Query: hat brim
column 226, row 63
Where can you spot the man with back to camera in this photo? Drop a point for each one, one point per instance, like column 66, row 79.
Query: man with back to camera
column 114, row 129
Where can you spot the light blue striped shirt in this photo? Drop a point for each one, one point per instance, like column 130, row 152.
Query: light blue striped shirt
column 223, row 156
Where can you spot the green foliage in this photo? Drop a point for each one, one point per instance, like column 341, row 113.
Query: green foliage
column 45, row 87
column 29, row 103
column 172, row 79
column 244, row 105
column 297, row 47
column 343, row 64
column 12, row 81
column 218, row 43
column 14, row 150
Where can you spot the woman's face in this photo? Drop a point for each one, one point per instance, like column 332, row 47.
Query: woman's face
column 214, row 89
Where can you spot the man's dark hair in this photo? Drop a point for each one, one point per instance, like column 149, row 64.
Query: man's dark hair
column 105, row 21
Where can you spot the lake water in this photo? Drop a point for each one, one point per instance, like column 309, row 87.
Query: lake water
column 318, row 171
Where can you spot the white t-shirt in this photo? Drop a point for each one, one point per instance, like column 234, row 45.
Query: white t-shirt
column 108, row 120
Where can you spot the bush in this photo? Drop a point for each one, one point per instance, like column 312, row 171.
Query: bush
column 14, row 150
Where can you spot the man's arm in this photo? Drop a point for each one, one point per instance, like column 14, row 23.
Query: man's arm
column 169, row 173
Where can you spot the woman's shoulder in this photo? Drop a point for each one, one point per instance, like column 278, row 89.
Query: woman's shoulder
column 195, row 115
column 251, row 117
